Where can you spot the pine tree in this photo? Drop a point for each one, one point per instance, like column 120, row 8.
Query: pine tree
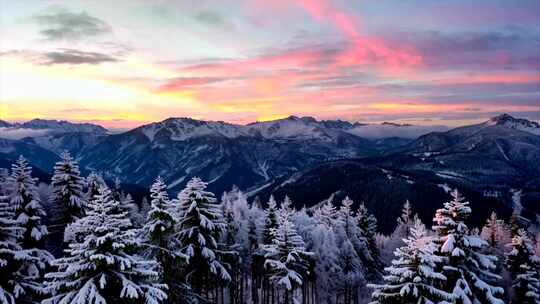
column 326, row 214
column 355, row 257
column 271, row 221
column 328, row 271
column 404, row 222
column 469, row 272
column 367, row 224
column 15, row 281
column 199, row 228
column 496, row 233
column 159, row 242
column 128, row 205
column 28, row 209
column 515, row 224
column 287, row 258
column 524, row 267
column 102, row 266
column 28, row 214
column 412, row 277
column 93, row 183
column 68, row 188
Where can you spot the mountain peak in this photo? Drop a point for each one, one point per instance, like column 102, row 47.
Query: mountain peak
column 509, row 121
column 4, row 124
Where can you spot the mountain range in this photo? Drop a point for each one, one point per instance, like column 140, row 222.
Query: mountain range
column 309, row 160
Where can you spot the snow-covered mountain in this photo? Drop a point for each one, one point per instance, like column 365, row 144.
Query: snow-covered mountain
column 489, row 161
column 225, row 154
column 54, row 135
column 61, row 126
column 514, row 123
column 290, row 128
column 4, row 124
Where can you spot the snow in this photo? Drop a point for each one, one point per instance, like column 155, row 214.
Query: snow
column 445, row 187
column 449, row 174
column 177, row 182
column 502, row 151
column 516, row 200
column 514, row 123
column 291, row 128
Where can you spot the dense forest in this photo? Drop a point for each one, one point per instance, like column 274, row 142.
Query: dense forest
column 82, row 240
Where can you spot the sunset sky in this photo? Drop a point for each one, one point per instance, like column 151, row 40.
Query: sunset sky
column 124, row 63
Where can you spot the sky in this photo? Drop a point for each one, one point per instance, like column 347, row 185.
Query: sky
column 124, row 63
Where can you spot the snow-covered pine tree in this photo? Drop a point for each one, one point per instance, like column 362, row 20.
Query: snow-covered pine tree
column 355, row 256
column 12, row 284
column 24, row 199
column 404, row 222
column 128, row 205
column 159, row 243
column 496, row 233
column 28, row 214
column 236, row 237
column 515, row 223
column 4, row 175
column 412, row 277
column 93, row 183
column 326, row 214
column 198, row 230
column 330, row 276
column 271, row 221
column 524, row 268
column 468, row 270
column 68, row 188
column 367, row 224
column 287, row 259
column 101, row 267
column 236, row 213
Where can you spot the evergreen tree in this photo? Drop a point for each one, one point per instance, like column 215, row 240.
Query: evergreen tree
column 469, row 272
column 28, row 209
column 68, row 188
column 287, row 258
column 404, row 222
column 328, row 271
column 130, row 207
column 93, row 183
column 159, row 242
column 271, row 221
column 524, row 267
column 412, row 277
column 515, row 224
column 326, row 214
column 199, row 228
column 496, row 233
column 19, row 268
column 367, row 224
column 102, row 266
column 351, row 245
column 28, row 214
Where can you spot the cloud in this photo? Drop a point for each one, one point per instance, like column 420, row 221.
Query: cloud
column 12, row 133
column 64, row 25
column 180, row 83
column 210, row 17
column 71, row 56
column 390, row 130
column 508, row 48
